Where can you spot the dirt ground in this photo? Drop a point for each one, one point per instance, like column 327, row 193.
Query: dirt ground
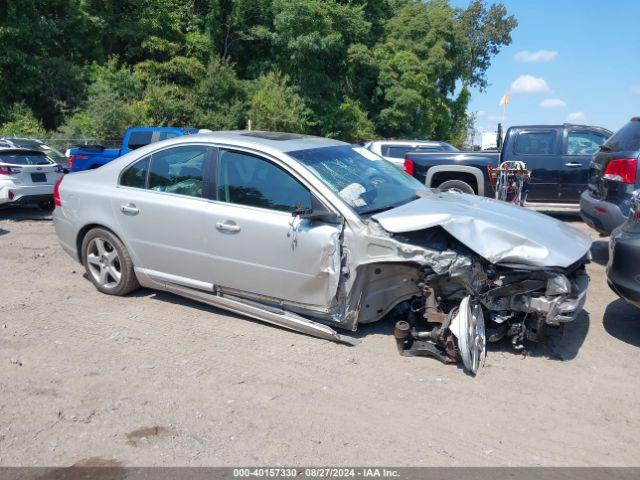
column 154, row 379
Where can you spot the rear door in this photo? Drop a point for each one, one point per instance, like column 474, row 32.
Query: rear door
column 162, row 205
column 539, row 149
column 579, row 146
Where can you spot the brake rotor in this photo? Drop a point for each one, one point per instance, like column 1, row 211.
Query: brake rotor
column 468, row 327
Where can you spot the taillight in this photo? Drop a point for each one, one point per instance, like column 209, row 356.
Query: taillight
column 6, row 170
column 409, row 166
column 73, row 158
column 622, row 170
column 56, row 193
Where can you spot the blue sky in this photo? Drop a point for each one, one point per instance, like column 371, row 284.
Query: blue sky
column 581, row 64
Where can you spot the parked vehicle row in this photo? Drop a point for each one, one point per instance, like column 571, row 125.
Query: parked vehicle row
column 88, row 157
column 558, row 158
column 312, row 234
column 394, row 151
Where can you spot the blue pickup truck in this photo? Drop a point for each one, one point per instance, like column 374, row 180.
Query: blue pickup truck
column 87, row 157
column 558, row 157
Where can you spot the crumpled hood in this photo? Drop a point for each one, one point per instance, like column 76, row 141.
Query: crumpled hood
column 498, row 231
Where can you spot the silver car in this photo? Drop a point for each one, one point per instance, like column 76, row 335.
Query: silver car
column 312, row 234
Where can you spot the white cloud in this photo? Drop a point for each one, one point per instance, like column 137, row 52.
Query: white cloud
column 576, row 117
column 480, row 113
column 636, row 88
column 553, row 103
column 535, row 57
column 529, row 84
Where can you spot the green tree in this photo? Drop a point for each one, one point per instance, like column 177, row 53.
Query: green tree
column 21, row 122
column 274, row 105
column 41, row 56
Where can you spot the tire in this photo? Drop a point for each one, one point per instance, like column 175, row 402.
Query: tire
column 107, row 263
column 46, row 206
column 458, row 186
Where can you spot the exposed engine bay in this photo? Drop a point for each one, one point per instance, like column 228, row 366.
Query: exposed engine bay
column 470, row 301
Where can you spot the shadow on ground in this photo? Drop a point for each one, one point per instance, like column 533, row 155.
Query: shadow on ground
column 622, row 321
column 564, row 216
column 600, row 251
column 562, row 346
column 19, row 213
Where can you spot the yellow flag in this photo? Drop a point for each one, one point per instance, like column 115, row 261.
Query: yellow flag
column 504, row 101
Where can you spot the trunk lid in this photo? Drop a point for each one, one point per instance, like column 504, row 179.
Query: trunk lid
column 495, row 230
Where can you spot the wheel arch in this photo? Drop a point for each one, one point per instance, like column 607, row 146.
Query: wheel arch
column 462, row 170
column 86, row 229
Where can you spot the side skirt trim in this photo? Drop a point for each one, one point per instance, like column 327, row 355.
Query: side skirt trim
column 282, row 318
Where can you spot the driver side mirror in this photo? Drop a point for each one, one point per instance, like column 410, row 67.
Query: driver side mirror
column 318, row 212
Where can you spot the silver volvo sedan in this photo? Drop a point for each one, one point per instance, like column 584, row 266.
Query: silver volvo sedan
column 312, row 234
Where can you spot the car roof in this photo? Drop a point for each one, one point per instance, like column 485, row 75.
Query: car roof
column 26, row 151
column 411, row 142
column 281, row 141
column 564, row 125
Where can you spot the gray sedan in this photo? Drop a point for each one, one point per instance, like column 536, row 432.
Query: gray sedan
column 313, row 234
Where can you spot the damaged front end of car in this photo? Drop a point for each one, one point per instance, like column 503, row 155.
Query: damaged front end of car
column 465, row 278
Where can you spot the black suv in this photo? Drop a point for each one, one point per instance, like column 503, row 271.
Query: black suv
column 613, row 177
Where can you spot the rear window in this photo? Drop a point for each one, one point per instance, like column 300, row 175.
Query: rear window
column 24, row 159
column 627, row 138
column 139, row 139
column 535, row 143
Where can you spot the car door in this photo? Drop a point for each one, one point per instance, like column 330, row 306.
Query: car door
column 162, row 205
column 579, row 146
column 538, row 149
column 257, row 246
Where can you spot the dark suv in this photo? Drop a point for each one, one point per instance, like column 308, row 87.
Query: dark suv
column 613, row 177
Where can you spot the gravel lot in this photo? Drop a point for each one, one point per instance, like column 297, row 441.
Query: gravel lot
column 154, row 379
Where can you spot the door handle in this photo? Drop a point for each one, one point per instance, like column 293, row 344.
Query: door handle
column 129, row 209
column 573, row 164
column 228, row 226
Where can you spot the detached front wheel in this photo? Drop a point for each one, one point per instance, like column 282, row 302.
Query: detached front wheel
column 108, row 263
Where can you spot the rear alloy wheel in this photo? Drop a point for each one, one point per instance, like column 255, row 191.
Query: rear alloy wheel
column 108, row 263
column 457, row 186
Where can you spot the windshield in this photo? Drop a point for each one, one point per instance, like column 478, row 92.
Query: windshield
column 362, row 179
column 32, row 158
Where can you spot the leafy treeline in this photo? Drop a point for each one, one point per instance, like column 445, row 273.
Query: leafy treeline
column 351, row 69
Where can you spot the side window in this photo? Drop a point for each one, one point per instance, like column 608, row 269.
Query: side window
column 179, row 170
column 139, row 139
column 535, row 143
column 583, row 143
column 249, row 180
column 136, row 174
column 384, row 150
